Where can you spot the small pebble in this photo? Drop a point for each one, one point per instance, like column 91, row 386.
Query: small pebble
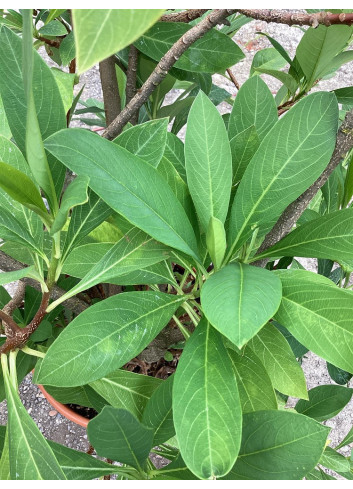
column 53, row 413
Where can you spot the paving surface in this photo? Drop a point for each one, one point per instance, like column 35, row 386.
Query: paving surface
column 52, row 424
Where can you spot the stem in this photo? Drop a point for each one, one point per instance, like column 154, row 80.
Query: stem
column 131, row 78
column 192, row 314
column 111, row 95
column 182, row 328
column 13, row 372
column 34, row 353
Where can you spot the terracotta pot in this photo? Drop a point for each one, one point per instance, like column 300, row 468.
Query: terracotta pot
column 64, row 410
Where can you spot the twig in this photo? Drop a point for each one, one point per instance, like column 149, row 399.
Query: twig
column 162, row 68
column 232, row 77
column 9, row 264
column 51, row 42
column 186, row 16
column 131, row 77
column 298, row 18
column 111, row 96
column 16, row 300
column 289, row 217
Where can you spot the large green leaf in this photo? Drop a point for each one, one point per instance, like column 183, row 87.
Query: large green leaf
column 206, row 405
column 344, row 95
column 118, row 435
column 325, row 401
column 255, row 106
column 278, row 445
column 208, row 161
column 106, row 336
column 212, row 53
column 279, row 360
column 49, row 107
column 174, row 153
column 133, row 251
column 319, row 315
column 254, row 384
column 123, row 389
column 30, row 455
column 318, row 47
column 239, row 299
column 290, row 158
column 334, row 460
column 243, row 147
column 100, row 33
column 329, row 236
column 124, row 182
column 158, row 413
column 79, row 465
column 145, row 140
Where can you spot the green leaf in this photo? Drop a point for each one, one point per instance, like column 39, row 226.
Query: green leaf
column 212, row 53
column 100, row 33
column 2, row 438
column 325, row 401
column 177, row 470
column 254, row 384
column 309, row 311
column 128, row 322
column 67, row 49
column 79, row 465
column 338, row 375
column 132, row 252
column 158, row 413
column 344, row 95
column 329, row 236
column 239, row 299
column 174, row 153
column 243, row 146
column 53, row 28
column 53, row 14
column 65, row 82
column 74, row 195
column 334, row 460
column 124, row 182
column 348, row 185
column 268, row 59
column 286, row 163
column 288, row 80
column 118, row 435
column 278, row 445
column 84, row 219
column 145, row 140
column 6, row 278
column 5, row 459
column 4, row 125
column 123, row 389
column 254, row 106
column 216, row 241
column 22, row 189
column 208, row 161
column 30, row 455
column 318, row 47
column 347, row 439
column 206, row 405
column 278, row 359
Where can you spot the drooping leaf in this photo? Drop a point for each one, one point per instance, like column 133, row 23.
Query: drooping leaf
column 100, row 33
column 325, row 401
column 281, row 365
column 344, row 95
column 206, row 405
column 278, row 445
column 208, row 161
column 158, row 413
column 288, row 80
column 118, row 435
column 124, row 182
column 127, row 390
column 268, row 59
column 329, row 236
column 30, row 455
column 338, row 375
column 255, row 388
column 254, row 106
column 145, row 140
column 309, row 304
column 286, row 163
column 212, row 53
column 8, row 277
column 127, row 323
column 239, row 299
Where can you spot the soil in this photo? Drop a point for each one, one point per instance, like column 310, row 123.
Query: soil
column 86, row 412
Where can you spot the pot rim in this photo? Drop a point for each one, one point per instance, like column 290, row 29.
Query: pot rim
column 64, row 410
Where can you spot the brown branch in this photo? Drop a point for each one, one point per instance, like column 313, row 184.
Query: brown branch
column 51, row 42
column 234, row 80
column 162, row 68
column 16, row 300
column 111, row 96
column 186, row 16
column 290, row 216
column 131, row 77
column 9, row 264
column 298, row 18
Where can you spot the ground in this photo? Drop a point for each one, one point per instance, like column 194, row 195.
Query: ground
column 52, row 424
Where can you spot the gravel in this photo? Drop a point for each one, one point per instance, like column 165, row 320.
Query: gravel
column 57, row 428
